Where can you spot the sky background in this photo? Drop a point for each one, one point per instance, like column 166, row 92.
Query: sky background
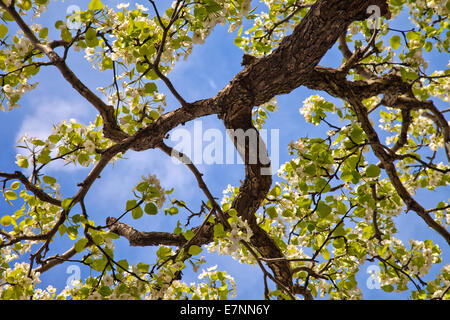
column 210, row 67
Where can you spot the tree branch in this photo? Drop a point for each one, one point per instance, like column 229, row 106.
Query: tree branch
column 111, row 128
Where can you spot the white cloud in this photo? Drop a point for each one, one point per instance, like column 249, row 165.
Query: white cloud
column 49, row 111
column 117, row 181
column 212, row 83
column 110, row 193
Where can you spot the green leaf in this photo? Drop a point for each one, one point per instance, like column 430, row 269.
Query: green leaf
column 38, row 142
column 23, row 163
column 150, row 208
column 272, row 212
column 194, row 250
column 219, row 231
column 3, row 30
column 98, row 264
column 150, row 87
column 341, row 208
column 212, row 6
column 276, row 191
column 26, row 4
column 49, row 180
column 66, row 35
column 44, row 158
column 15, row 185
column 356, row 177
column 340, row 231
column 172, row 210
column 373, row 171
column 395, row 42
column 262, row 113
column 97, row 238
column 178, row 229
column 408, row 75
column 80, row 245
column 10, row 195
column 7, row 17
column 153, row 114
column 163, row 252
column 143, row 267
column 72, row 232
column 142, row 186
column 310, row 169
column 91, row 34
column 59, row 24
column 347, row 176
column 368, row 232
column 98, row 121
column 338, row 243
column 62, row 229
column 91, row 38
column 357, row 134
column 320, row 239
column 111, row 235
column 189, row 234
column 321, row 185
column 6, row 220
column 107, row 63
column 238, row 41
column 130, row 205
column 54, row 138
column 428, row 243
column 242, row 28
column 83, row 158
column 396, row 2
column 326, row 254
column 323, row 209
column 137, row 212
column 232, row 212
column 105, row 291
column 287, row 213
column 66, row 203
column 411, row 35
column 387, row 288
column 43, row 33
column 95, row 5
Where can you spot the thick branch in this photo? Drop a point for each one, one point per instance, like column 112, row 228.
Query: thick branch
column 137, row 238
column 39, row 193
column 288, row 67
column 51, row 262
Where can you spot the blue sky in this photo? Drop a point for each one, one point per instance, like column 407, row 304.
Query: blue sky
column 210, row 67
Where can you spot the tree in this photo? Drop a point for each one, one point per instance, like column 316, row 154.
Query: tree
column 309, row 234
